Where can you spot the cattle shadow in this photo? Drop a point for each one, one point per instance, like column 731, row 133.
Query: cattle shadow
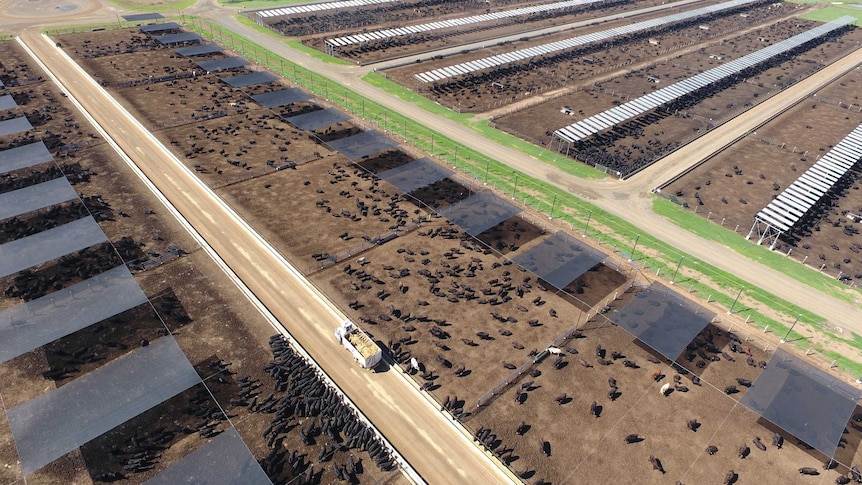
column 844, row 454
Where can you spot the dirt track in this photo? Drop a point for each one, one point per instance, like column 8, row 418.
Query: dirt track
column 409, row 421
column 631, row 199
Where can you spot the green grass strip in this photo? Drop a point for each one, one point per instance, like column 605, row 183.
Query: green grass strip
column 259, row 3
column 166, row 6
column 832, row 12
column 484, row 127
column 541, row 199
column 708, row 230
column 321, row 56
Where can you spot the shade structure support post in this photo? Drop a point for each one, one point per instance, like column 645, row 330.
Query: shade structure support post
column 784, row 338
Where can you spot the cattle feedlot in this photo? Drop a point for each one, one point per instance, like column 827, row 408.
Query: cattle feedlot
column 129, row 355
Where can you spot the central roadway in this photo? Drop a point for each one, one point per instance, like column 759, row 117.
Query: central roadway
column 427, row 440
column 629, row 200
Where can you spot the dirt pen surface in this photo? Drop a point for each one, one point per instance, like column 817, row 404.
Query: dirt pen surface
column 571, row 70
column 223, row 336
column 640, row 142
column 471, row 319
column 733, row 186
column 401, row 46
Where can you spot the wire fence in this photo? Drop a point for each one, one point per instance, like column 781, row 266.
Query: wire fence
column 562, row 210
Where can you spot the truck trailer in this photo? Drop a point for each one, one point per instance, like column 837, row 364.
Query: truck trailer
column 360, row 344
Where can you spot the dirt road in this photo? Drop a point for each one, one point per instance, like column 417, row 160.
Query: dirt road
column 422, row 435
column 629, row 200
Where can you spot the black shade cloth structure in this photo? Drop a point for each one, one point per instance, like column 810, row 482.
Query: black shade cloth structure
column 24, row 156
column 318, row 119
column 282, row 97
column 150, row 28
column 199, row 50
column 257, row 77
column 479, row 212
column 225, row 460
column 663, row 320
column 45, row 319
column 415, row 174
column 362, row 144
column 35, row 197
column 15, row 125
column 49, row 426
column 38, row 248
column 139, row 17
column 215, row 65
column 7, row 102
column 803, row 400
column 560, row 259
column 169, row 39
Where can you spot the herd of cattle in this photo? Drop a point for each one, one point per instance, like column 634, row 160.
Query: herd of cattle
column 347, row 19
column 301, row 400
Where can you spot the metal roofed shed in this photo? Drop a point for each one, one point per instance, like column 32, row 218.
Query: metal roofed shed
column 559, row 259
column 662, row 320
column 7, row 102
column 49, row 244
column 225, row 460
column 215, row 65
column 15, row 125
column 786, row 210
column 803, row 400
column 362, row 144
column 415, row 174
column 170, row 39
column 140, row 17
column 37, row 322
column 24, row 156
column 257, row 77
column 595, row 124
column 479, row 212
column 553, row 47
column 318, row 119
column 199, row 50
column 53, row 424
column 35, row 197
column 282, row 97
column 152, row 28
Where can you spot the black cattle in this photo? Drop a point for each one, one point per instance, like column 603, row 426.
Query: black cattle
column 778, row 440
column 730, row 478
column 744, row 451
column 595, row 409
column 693, row 425
column 759, row 444
column 633, row 438
column 712, row 449
column 807, row 470
column 656, row 464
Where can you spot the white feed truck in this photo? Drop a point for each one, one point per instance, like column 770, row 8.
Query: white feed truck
column 355, row 340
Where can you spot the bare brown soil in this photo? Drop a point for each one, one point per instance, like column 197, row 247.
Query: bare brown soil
column 571, row 69
column 636, row 144
column 760, row 166
column 456, row 292
column 222, row 334
column 375, row 51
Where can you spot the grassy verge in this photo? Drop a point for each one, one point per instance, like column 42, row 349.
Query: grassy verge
column 165, row 6
column 653, row 256
column 256, row 26
column 311, row 51
column 832, row 12
column 698, row 225
column 259, row 3
column 482, row 126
